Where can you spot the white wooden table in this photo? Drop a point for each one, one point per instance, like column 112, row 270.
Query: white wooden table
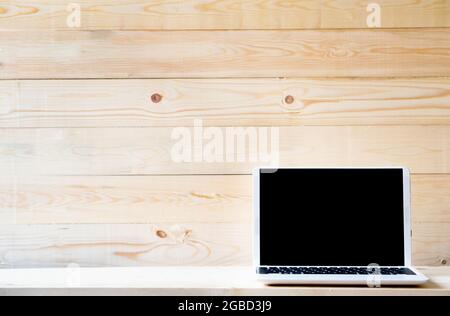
column 185, row 281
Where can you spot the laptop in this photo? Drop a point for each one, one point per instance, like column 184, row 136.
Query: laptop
column 333, row 226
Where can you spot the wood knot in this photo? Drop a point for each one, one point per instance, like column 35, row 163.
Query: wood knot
column 187, row 233
column 156, row 98
column 444, row 262
column 161, row 234
column 289, row 99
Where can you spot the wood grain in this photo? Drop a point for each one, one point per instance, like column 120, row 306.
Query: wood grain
column 162, row 199
column 141, row 151
column 87, row 175
column 408, row 13
column 223, row 102
column 222, row 14
column 218, row 244
column 217, row 210
column 176, row 244
column 431, row 198
column 221, row 54
column 431, row 243
column 103, row 200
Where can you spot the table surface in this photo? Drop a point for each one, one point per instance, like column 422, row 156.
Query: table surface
column 233, row 281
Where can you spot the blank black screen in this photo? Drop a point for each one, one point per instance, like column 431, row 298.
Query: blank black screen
column 331, row 217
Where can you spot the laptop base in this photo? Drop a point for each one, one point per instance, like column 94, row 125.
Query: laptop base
column 334, row 279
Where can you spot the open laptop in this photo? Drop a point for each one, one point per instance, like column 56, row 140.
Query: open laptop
column 333, row 226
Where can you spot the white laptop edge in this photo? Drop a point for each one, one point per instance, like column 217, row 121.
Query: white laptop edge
column 417, row 279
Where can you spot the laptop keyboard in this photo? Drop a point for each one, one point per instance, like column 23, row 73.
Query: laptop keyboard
column 336, row 270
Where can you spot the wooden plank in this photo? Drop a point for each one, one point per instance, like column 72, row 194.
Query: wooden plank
column 162, row 199
column 223, row 102
column 431, row 244
column 431, row 198
column 175, row 244
column 206, row 54
column 190, row 281
column 421, row 13
column 103, row 200
column 165, row 15
column 217, row 210
column 224, row 14
column 191, row 244
column 141, row 151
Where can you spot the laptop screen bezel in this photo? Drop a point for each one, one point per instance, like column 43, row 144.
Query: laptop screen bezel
column 406, row 208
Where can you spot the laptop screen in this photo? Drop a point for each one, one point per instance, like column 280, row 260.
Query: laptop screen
column 331, row 217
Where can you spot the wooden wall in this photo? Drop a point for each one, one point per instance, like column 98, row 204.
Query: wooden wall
column 87, row 175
